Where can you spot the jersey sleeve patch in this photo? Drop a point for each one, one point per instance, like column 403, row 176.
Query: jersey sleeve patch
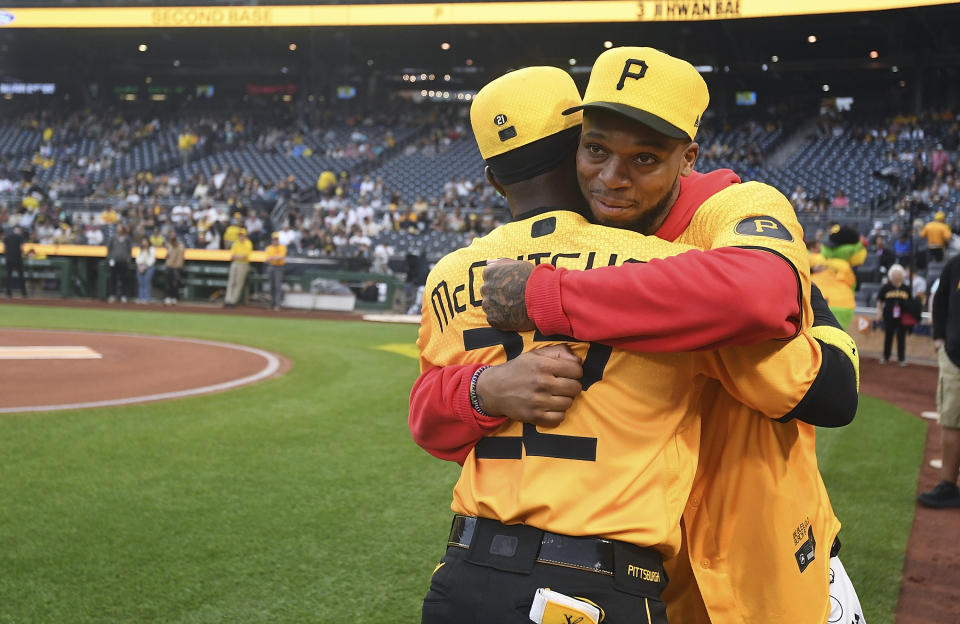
column 763, row 226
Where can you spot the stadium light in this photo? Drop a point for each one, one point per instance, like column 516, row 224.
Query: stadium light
column 608, row 44
column 812, row 39
column 874, row 54
column 445, row 45
column 142, row 47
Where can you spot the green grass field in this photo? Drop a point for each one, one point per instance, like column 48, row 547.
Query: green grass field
column 302, row 498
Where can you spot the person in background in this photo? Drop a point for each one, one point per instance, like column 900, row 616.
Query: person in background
column 119, row 250
column 13, row 260
column 938, row 235
column 173, row 267
column 885, row 253
column 157, row 239
column 901, row 248
column 146, row 264
column 239, row 267
column 840, row 201
column 275, row 259
column 892, row 302
column 946, row 337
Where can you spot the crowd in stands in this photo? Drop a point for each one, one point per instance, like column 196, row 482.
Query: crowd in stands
column 65, row 186
column 73, row 177
column 744, row 145
column 911, row 158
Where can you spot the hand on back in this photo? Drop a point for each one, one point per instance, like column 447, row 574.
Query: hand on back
column 536, row 387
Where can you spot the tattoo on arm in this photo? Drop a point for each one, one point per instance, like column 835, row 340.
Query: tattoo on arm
column 504, row 296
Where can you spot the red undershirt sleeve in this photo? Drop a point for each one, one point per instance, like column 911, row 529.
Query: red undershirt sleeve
column 441, row 419
column 692, row 301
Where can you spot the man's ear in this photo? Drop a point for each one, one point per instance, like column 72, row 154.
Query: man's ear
column 690, row 154
column 492, row 179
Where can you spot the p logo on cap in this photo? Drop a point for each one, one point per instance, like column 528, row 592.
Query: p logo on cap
column 626, row 73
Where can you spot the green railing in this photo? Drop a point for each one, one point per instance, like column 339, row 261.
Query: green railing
column 42, row 276
column 88, row 277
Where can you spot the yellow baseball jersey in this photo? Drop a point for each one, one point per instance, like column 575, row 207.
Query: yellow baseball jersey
column 759, row 525
column 621, row 464
column 242, row 248
column 751, row 215
column 279, row 253
column 937, row 233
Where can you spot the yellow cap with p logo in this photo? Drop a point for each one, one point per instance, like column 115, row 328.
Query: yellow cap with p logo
column 658, row 90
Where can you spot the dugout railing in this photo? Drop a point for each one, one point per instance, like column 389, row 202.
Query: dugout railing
column 82, row 271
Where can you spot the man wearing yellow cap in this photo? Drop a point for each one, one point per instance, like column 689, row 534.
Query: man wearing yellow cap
column 531, row 502
column 240, row 252
column 938, row 235
column 724, row 576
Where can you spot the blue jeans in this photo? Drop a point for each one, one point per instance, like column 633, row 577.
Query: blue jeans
column 144, row 281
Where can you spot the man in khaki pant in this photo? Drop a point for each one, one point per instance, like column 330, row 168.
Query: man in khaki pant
column 946, row 336
column 239, row 267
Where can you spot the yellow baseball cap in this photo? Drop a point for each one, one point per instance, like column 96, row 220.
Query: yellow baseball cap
column 658, row 90
column 521, row 107
column 940, row 216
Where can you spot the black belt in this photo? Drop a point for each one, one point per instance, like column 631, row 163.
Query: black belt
column 592, row 554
